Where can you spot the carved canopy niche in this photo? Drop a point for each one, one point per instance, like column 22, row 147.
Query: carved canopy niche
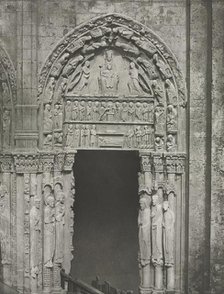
column 7, row 99
column 112, row 83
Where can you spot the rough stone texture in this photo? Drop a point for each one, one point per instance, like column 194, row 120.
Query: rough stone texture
column 30, row 30
column 217, row 200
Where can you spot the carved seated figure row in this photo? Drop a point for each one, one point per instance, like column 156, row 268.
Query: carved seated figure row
column 156, row 223
column 108, row 111
column 81, row 136
column 171, row 145
column 139, row 137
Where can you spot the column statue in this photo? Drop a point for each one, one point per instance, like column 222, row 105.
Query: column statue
column 49, row 227
column 168, row 243
column 59, row 222
column 144, row 224
column 35, row 229
column 157, row 255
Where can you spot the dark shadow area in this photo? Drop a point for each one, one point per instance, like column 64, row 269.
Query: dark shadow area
column 106, row 211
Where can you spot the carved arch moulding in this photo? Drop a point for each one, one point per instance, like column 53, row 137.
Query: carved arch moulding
column 7, row 99
column 112, row 83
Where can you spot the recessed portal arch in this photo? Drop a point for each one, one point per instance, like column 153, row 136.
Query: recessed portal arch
column 113, row 84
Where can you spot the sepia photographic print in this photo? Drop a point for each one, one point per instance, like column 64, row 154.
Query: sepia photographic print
column 111, row 147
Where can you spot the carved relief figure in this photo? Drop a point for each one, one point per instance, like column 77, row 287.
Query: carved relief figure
column 168, row 234
column 118, row 108
column 171, row 119
column 48, row 122
column 76, row 136
column 96, row 112
column 138, row 135
column 129, row 139
column 59, row 222
column 6, row 121
column 158, row 92
column 69, row 137
column 93, row 138
column 133, row 84
column 108, row 80
column 144, row 225
column 49, row 227
column 68, row 110
column 75, row 111
column 131, row 111
column 48, row 141
column 84, row 77
column 162, row 67
column 159, row 143
column 160, row 120
column 5, row 93
column 157, row 220
column 171, row 143
column 3, row 195
column 124, row 111
column 49, row 91
column 58, row 138
column 35, row 229
column 57, row 69
column 171, row 93
column 138, row 111
column 89, row 112
column 111, row 111
column 82, row 110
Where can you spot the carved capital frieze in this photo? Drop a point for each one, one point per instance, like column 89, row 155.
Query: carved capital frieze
column 6, row 163
column 59, row 161
column 158, row 163
column 47, row 162
column 175, row 163
column 27, row 163
column 146, row 163
column 69, row 161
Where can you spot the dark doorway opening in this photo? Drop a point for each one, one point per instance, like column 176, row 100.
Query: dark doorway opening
column 106, row 211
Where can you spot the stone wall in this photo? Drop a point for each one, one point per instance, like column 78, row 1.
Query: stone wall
column 193, row 30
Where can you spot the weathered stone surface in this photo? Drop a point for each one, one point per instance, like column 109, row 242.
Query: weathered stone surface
column 87, row 100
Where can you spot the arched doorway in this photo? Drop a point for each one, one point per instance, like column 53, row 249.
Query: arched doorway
column 110, row 84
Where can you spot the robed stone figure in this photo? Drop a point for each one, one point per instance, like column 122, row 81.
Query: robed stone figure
column 157, row 220
column 144, row 224
column 35, row 228
column 49, row 227
column 168, row 244
column 59, row 222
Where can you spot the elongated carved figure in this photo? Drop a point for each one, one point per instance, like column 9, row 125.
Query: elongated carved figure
column 49, row 227
column 35, row 229
column 59, row 222
column 157, row 253
column 168, row 243
column 144, row 225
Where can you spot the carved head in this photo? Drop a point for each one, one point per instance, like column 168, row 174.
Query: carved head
column 83, row 103
column 155, row 199
column 131, row 104
column 165, row 205
column 90, row 103
column 68, row 102
column 50, row 201
column 87, row 63
column 37, row 202
column 132, row 65
column 144, row 201
column 76, row 103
